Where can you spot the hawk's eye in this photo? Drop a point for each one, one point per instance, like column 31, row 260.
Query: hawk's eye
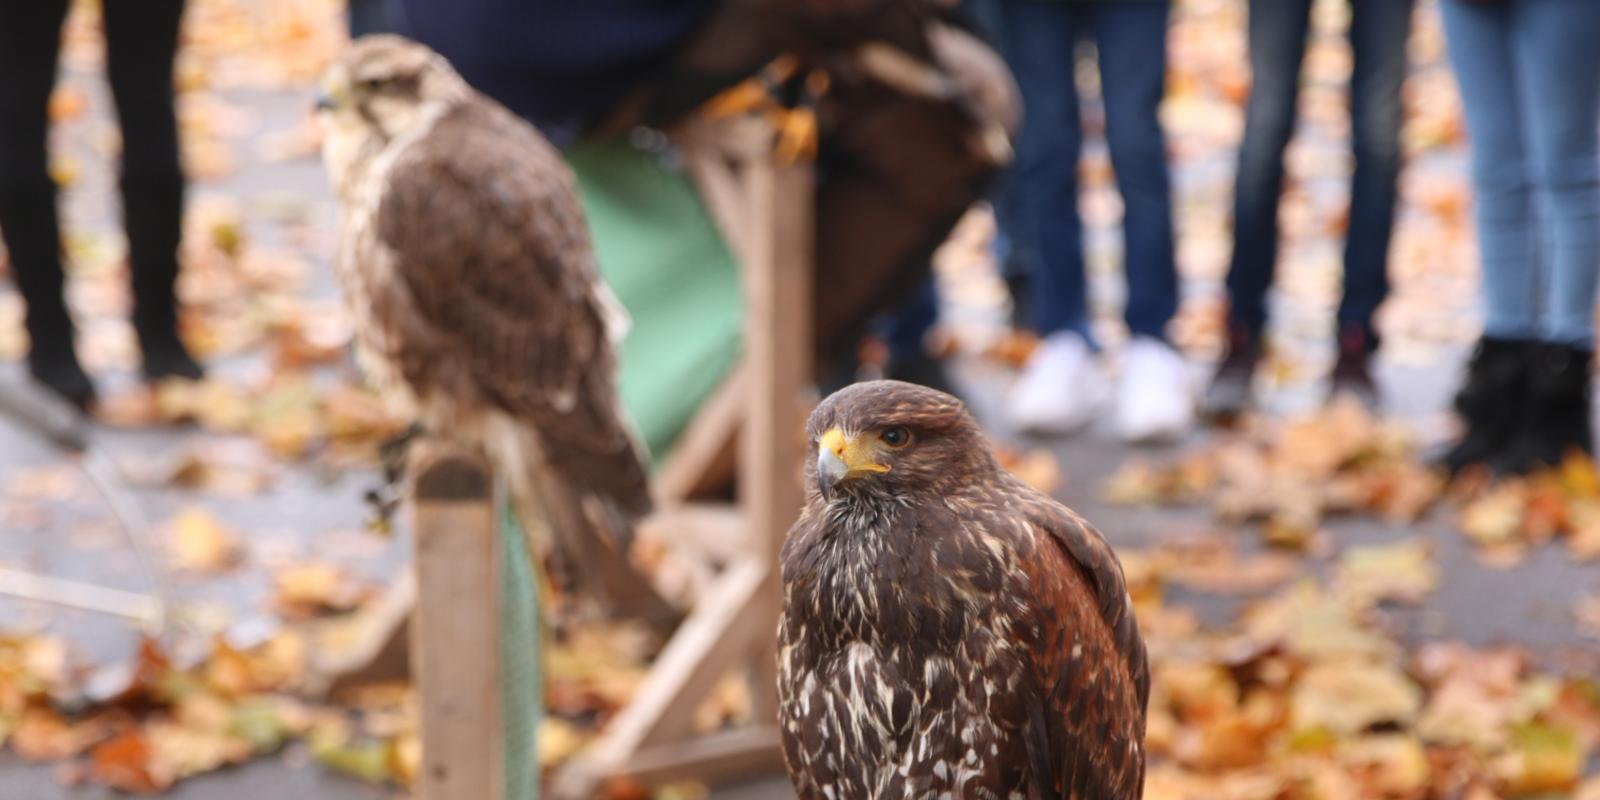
column 372, row 84
column 897, row 436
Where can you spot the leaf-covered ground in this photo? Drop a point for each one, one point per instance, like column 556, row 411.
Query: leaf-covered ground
column 1326, row 618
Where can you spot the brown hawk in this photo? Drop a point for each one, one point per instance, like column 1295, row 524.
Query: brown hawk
column 467, row 268
column 948, row 631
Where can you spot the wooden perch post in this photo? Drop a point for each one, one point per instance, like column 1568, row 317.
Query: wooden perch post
column 456, row 637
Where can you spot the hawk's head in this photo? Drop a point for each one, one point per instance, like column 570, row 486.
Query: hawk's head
column 382, row 87
column 893, row 442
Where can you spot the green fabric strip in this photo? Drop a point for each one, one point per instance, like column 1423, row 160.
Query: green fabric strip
column 663, row 256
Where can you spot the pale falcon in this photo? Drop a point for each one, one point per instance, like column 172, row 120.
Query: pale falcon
column 467, row 267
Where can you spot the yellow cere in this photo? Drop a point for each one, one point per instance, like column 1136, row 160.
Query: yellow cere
column 856, row 453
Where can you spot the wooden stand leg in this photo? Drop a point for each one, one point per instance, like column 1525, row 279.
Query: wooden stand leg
column 456, row 643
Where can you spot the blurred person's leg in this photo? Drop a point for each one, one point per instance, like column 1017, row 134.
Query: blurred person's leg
column 1016, row 261
column 1154, row 398
column 1277, row 37
column 1378, row 33
column 1016, row 267
column 1480, row 52
column 141, row 46
column 989, row 18
column 1556, row 54
column 1277, row 31
column 30, row 40
column 1492, row 397
column 1041, row 39
column 1059, row 389
column 368, row 17
column 906, row 335
column 1557, row 65
column 1131, row 39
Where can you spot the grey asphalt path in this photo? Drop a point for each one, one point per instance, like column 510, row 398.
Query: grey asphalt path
column 258, row 780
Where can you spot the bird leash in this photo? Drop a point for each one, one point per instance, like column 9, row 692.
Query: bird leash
column 65, row 428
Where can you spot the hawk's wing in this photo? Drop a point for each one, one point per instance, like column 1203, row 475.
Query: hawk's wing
column 487, row 234
column 1085, row 724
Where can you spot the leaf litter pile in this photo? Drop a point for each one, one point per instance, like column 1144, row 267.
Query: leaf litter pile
column 1307, row 694
column 1290, row 474
column 1312, row 692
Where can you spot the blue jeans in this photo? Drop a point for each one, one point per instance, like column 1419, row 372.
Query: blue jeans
column 1041, row 199
column 1530, row 83
column 1278, row 28
column 905, row 329
column 369, row 16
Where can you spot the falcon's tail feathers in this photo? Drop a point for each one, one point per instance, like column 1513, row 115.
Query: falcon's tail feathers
column 588, row 535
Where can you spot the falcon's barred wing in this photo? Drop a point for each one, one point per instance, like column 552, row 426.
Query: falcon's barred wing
column 1085, row 727
column 489, row 239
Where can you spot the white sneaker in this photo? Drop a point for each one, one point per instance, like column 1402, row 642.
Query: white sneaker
column 1061, row 387
column 1155, row 398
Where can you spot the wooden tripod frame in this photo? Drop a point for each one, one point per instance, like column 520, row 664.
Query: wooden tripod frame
column 765, row 211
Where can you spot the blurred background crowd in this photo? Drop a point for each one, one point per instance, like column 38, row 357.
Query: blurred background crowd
column 1529, row 77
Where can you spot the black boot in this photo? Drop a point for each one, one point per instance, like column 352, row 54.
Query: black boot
column 1019, row 284
column 33, row 237
column 1490, row 402
column 1230, row 391
column 153, row 215
column 1554, row 419
column 1352, row 373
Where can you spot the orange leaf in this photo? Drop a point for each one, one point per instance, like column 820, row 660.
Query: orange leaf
column 123, row 763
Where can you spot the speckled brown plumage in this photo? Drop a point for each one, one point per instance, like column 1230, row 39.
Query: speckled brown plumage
column 467, row 267
column 948, row 631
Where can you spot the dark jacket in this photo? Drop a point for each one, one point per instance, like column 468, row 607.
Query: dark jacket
column 559, row 63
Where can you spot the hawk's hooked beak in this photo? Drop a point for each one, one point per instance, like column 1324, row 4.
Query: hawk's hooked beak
column 333, row 95
column 840, row 458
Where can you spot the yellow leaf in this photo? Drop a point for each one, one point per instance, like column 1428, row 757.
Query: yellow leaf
column 179, row 751
column 1496, row 517
column 1579, row 477
column 200, row 543
column 1348, row 697
column 367, row 761
column 1393, row 765
column 405, row 758
column 227, row 236
column 558, row 741
column 1403, row 571
column 1037, row 468
column 1543, row 759
column 309, row 589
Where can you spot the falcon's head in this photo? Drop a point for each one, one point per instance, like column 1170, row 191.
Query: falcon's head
column 887, row 442
column 380, row 89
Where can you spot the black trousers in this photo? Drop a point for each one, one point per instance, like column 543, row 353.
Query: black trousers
column 141, row 45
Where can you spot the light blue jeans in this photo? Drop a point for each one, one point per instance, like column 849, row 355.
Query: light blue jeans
column 1530, row 83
